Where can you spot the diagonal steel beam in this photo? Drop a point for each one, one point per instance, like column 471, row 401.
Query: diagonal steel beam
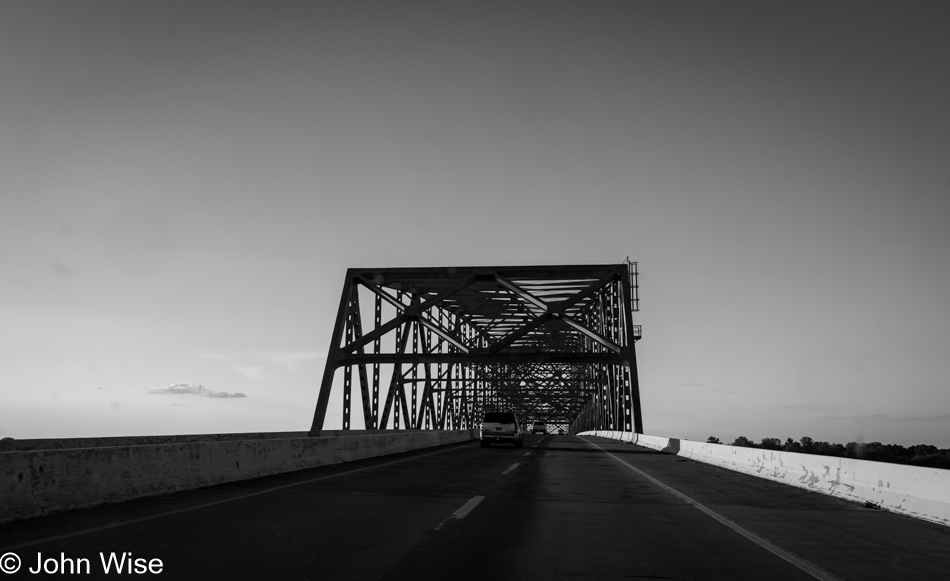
column 547, row 315
column 395, row 379
column 443, row 334
column 512, row 337
column 323, row 398
column 590, row 290
column 595, row 336
column 521, row 293
column 410, row 311
column 375, row 334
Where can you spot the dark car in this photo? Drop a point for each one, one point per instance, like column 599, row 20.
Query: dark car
column 501, row 427
column 539, row 428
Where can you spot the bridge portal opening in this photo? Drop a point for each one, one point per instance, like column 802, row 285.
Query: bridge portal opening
column 435, row 348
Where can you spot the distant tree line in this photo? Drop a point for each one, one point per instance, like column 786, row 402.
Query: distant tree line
column 919, row 455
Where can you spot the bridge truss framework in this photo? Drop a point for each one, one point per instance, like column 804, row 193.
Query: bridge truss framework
column 434, row 348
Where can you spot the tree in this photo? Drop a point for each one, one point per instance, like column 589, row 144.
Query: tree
column 743, row 442
column 827, row 449
column 854, row 450
column 919, row 455
column 924, row 450
column 807, row 444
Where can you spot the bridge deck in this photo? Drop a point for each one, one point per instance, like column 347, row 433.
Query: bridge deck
column 568, row 509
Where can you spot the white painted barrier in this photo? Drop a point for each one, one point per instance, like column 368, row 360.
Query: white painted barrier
column 46, row 478
column 922, row 493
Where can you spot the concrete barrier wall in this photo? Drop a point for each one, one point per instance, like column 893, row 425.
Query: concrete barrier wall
column 11, row 445
column 44, row 479
column 922, row 493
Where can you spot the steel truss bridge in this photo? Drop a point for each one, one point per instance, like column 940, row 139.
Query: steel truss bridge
column 434, row 348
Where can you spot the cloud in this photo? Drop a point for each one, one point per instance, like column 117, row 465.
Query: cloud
column 808, row 407
column 861, row 418
column 223, row 357
column 61, row 269
column 188, row 389
column 891, row 418
column 252, row 372
column 930, row 418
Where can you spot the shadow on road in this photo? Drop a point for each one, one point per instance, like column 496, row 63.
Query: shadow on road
column 588, row 450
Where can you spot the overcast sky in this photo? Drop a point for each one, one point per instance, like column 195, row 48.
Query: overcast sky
column 183, row 185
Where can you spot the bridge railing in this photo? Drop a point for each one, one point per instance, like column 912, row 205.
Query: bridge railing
column 914, row 491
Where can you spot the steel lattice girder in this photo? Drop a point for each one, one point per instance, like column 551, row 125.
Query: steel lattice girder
column 555, row 343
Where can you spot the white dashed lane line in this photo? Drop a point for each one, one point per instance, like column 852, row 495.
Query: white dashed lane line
column 512, row 467
column 462, row 511
column 527, row 453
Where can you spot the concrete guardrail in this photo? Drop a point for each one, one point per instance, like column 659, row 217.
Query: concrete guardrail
column 914, row 491
column 39, row 477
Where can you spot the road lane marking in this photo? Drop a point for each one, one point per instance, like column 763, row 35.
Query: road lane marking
column 215, row 502
column 810, row 568
column 512, row 467
column 467, row 507
column 527, row 453
column 462, row 511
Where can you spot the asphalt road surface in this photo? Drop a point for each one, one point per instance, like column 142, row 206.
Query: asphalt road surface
column 562, row 507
